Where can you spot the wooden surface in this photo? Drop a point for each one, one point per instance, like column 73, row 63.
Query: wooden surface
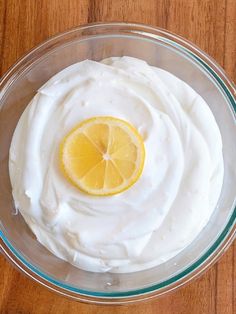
column 211, row 24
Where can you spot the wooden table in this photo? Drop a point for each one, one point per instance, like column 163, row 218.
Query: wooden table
column 211, row 24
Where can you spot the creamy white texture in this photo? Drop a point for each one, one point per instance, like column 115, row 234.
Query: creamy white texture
column 163, row 211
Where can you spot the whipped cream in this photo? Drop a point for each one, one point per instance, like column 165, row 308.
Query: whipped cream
column 163, row 211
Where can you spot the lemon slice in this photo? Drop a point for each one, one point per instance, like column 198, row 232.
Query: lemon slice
column 102, row 156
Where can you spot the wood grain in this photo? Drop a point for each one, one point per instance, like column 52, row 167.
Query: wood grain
column 211, row 24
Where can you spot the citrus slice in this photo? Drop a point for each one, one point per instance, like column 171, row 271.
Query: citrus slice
column 102, row 156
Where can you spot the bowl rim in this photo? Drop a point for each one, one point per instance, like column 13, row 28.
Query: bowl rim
column 222, row 242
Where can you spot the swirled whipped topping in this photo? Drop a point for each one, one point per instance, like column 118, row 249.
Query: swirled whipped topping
column 164, row 211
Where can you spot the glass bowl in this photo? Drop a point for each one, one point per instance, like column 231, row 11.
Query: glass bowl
column 159, row 48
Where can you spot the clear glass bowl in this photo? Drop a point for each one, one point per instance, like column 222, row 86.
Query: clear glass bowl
column 162, row 49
